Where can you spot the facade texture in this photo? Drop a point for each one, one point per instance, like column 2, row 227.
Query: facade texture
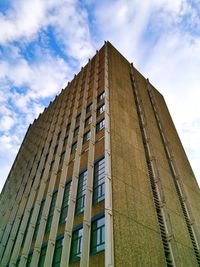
column 102, row 179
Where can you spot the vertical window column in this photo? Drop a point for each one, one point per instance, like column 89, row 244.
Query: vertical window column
column 57, row 253
column 99, row 181
column 38, row 220
column 98, row 235
column 80, row 200
column 65, row 203
column 76, row 245
column 51, row 212
column 42, row 256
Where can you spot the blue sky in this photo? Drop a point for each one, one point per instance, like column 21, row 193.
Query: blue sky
column 44, row 43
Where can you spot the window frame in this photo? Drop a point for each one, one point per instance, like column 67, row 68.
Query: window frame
column 89, row 107
column 96, row 247
column 76, row 256
column 101, row 109
column 99, row 181
column 100, row 96
column 76, row 131
column 74, row 147
column 65, row 204
column 62, row 155
column 39, row 217
column 65, row 140
column 51, row 211
column 81, row 192
column 88, row 121
column 85, row 137
column 42, row 255
column 99, row 127
column 78, row 118
column 56, row 250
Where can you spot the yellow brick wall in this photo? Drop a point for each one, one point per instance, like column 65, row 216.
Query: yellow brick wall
column 136, row 231
column 136, row 235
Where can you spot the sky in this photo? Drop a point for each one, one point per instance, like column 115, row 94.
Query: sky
column 44, row 43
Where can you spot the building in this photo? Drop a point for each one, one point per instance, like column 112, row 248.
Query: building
column 102, row 179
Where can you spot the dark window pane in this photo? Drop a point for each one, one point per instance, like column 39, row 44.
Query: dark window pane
column 86, row 137
column 28, row 263
column 51, row 212
column 65, row 141
column 98, row 235
column 29, row 219
column 38, row 220
column 89, row 107
column 101, row 96
column 100, row 125
column 62, row 157
column 100, row 110
column 80, row 200
column 42, row 257
column 99, row 181
column 68, row 127
column 76, row 131
column 57, row 253
column 74, row 146
column 78, row 117
column 65, row 203
column 88, row 121
column 76, row 244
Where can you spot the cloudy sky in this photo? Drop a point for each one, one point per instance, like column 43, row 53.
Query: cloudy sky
column 43, row 43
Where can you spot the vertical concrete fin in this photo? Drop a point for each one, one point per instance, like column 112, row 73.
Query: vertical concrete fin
column 109, row 246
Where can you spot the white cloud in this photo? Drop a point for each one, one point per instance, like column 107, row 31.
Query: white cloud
column 25, row 20
column 71, row 26
column 6, row 123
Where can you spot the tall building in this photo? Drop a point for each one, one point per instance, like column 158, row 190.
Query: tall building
column 102, row 179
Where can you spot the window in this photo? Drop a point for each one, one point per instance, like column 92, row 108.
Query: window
column 59, row 135
column 78, row 117
column 28, row 264
column 18, row 261
column 50, row 143
column 74, row 146
column 99, row 181
column 101, row 96
column 57, row 253
column 89, row 107
column 42, row 256
column 100, row 125
column 29, row 219
column 68, row 127
column 62, row 156
column 51, row 166
column 51, row 211
column 65, row 140
column 42, row 172
column 86, row 137
column 55, row 149
column 38, row 220
column 76, row 244
column 65, row 203
column 101, row 109
column 88, row 121
column 98, row 235
column 80, row 201
column 46, row 157
column 76, row 130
